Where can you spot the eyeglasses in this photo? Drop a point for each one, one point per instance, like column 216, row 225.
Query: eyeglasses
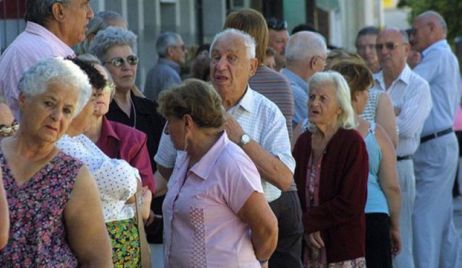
column 182, row 47
column 276, row 24
column 387, row 45
column 119, row 61
column 6, row 131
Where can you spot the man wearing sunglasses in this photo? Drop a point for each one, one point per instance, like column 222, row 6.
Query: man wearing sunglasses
column 52, row 28
column 166, row 73
column 411, row 98
column 436, row 241
column 278, row 34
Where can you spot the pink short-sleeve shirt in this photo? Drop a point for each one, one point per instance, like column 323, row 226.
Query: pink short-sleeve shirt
column 201, row 226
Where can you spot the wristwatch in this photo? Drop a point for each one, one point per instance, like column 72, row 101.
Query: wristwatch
column 244, row 139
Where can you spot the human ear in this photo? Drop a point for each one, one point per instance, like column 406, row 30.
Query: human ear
column 57, row 11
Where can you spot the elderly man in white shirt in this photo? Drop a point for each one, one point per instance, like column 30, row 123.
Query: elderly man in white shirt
column 436, row 241
column 258, row 126
column 411, row 98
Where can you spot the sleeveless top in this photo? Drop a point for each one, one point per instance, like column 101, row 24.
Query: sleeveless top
column 376, row 200
column 371, row 106
column 37, row 228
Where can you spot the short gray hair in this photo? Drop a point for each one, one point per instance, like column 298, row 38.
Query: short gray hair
column 111, row 37
column 39, row 11
column 249, row 41
column 164, row 41
column 304, row 45
column 36, row 79
column 342, row 92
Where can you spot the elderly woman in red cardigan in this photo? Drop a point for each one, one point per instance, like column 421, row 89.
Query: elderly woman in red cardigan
column 331, row 177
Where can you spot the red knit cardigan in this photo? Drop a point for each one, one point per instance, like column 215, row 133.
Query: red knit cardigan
column 342, row 193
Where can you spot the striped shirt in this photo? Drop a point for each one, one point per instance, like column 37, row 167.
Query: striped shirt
column 411, row 94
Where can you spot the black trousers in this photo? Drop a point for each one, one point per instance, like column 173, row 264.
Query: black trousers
column 289, row 248
column 378, row 242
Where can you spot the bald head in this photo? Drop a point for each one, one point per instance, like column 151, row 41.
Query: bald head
column 427, row 29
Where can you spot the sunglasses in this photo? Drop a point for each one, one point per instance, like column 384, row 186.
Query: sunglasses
column 119, row 61
column 387, row 45
column 6, row 130
column 276, row 24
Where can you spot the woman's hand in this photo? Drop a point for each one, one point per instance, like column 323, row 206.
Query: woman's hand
column 395, row 238
column 315, row 241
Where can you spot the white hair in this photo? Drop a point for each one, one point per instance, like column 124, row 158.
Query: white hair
column 249, row 41
column 342, row 92
column 304, row 45
column 35, row 80
column 111, row 37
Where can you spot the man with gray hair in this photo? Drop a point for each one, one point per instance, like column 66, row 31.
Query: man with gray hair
column 411, row 98
column 52, row 28
column 254, row 122
column 166, row 73
column 436, row 241
column 306, row 54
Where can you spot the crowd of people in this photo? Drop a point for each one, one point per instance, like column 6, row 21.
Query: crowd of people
column 276, row 150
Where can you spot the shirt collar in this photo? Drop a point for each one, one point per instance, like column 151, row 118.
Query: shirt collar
column 441, row 43
column 37, row 29
column 404, row 76
column 247, row 101
column 206, row 164
column 293, row 77
column 109, row 130
column 170, row 63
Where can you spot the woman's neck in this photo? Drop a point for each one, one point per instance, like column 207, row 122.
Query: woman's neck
column 94, row 132
column 26, row 147
column 124, row 101
column 327, row 131
column 201, row 144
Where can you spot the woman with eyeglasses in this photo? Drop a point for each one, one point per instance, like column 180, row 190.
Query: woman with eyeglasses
column 116, row 49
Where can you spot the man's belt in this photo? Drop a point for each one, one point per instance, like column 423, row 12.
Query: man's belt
column 436, row 135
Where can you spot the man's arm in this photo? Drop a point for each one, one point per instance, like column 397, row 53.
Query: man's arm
column 270, row 167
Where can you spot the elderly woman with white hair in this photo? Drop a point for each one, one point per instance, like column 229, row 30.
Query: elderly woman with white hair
column 331, row 176
column 54, row 204
column 116, row 49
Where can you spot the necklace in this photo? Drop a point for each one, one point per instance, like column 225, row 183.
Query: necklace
column 132, row 109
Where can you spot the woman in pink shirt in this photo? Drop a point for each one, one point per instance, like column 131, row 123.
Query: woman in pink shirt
column 215, row 213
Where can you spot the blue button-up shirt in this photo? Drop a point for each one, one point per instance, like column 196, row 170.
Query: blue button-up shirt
column 300, row 92
column 440, row 68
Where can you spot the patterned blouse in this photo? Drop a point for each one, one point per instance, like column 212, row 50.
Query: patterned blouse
column 116, row 179
column 37, row 231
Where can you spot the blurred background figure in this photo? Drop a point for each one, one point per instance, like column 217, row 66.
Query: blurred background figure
column 8, row 125
column 365, row 46
column 200, row 65
column 332, row 185
column 383, row 191
column 55, row 208
column 166, row 72
column 100, row 21
column 270, row 60
column 306, row 54
column 228, row 214
column 278, row 38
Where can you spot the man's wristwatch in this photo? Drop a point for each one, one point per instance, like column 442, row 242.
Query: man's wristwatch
column 244, row 139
